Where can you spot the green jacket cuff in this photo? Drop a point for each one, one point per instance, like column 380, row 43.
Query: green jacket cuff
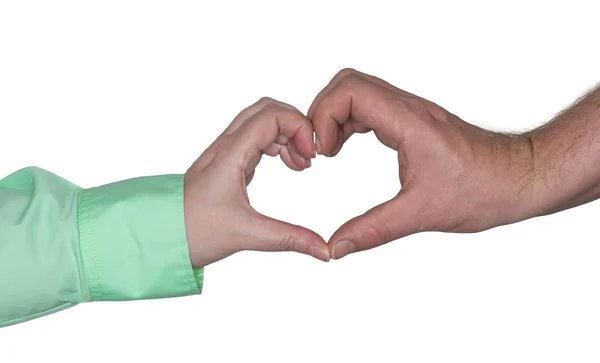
column 133, row 240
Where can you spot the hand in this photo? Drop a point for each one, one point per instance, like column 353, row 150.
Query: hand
column 455, row 177
column 218, row 217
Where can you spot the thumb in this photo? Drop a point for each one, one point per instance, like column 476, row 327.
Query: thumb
column 387, row 222
column 270, row 235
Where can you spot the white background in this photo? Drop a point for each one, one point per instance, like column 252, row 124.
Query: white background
column 102, row 91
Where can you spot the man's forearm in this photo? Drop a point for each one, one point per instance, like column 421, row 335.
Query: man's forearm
column 566, row 157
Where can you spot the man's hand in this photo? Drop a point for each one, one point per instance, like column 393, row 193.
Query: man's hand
column 218, row 216
column 455, row 177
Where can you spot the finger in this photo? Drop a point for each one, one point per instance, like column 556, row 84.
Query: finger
column 397, row 218
column 354, row 96
column 296, row 156
column 288, row 154
column 270, row 234
column 339, row 141
column 252, row 110
column 346, row 130
column 352, row 72
column 207, row 156
column 288, row 160
column 282, row 142
column 262, row 130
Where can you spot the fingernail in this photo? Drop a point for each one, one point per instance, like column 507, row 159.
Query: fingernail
column 309, row 162
column 318, row 144
column 319, row 253
column 342, row 248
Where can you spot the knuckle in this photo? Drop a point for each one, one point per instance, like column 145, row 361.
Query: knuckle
column 417, row 107
column 265, row 100
column 260, row 106
column 382, row 234
column 268, row 102
column 351, row 80
column 351, row 85
column 438, row 113
column 347, row 72
column 278, row 110
column 271, row 106
column 272, row 110
column 288, row 243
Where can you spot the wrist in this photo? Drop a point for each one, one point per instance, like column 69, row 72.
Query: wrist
column 515, row 178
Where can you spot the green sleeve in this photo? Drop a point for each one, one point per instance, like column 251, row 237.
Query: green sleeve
column 61, row 245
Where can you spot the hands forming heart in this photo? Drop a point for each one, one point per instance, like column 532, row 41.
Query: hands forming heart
column 449, row 172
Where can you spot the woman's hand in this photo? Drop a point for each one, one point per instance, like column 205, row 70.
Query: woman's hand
column 218, row 217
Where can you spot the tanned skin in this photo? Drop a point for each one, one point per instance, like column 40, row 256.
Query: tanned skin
column 456, row 177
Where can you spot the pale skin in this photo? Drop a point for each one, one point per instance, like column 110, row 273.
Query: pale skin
column 454, row 176
column 218, row 216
